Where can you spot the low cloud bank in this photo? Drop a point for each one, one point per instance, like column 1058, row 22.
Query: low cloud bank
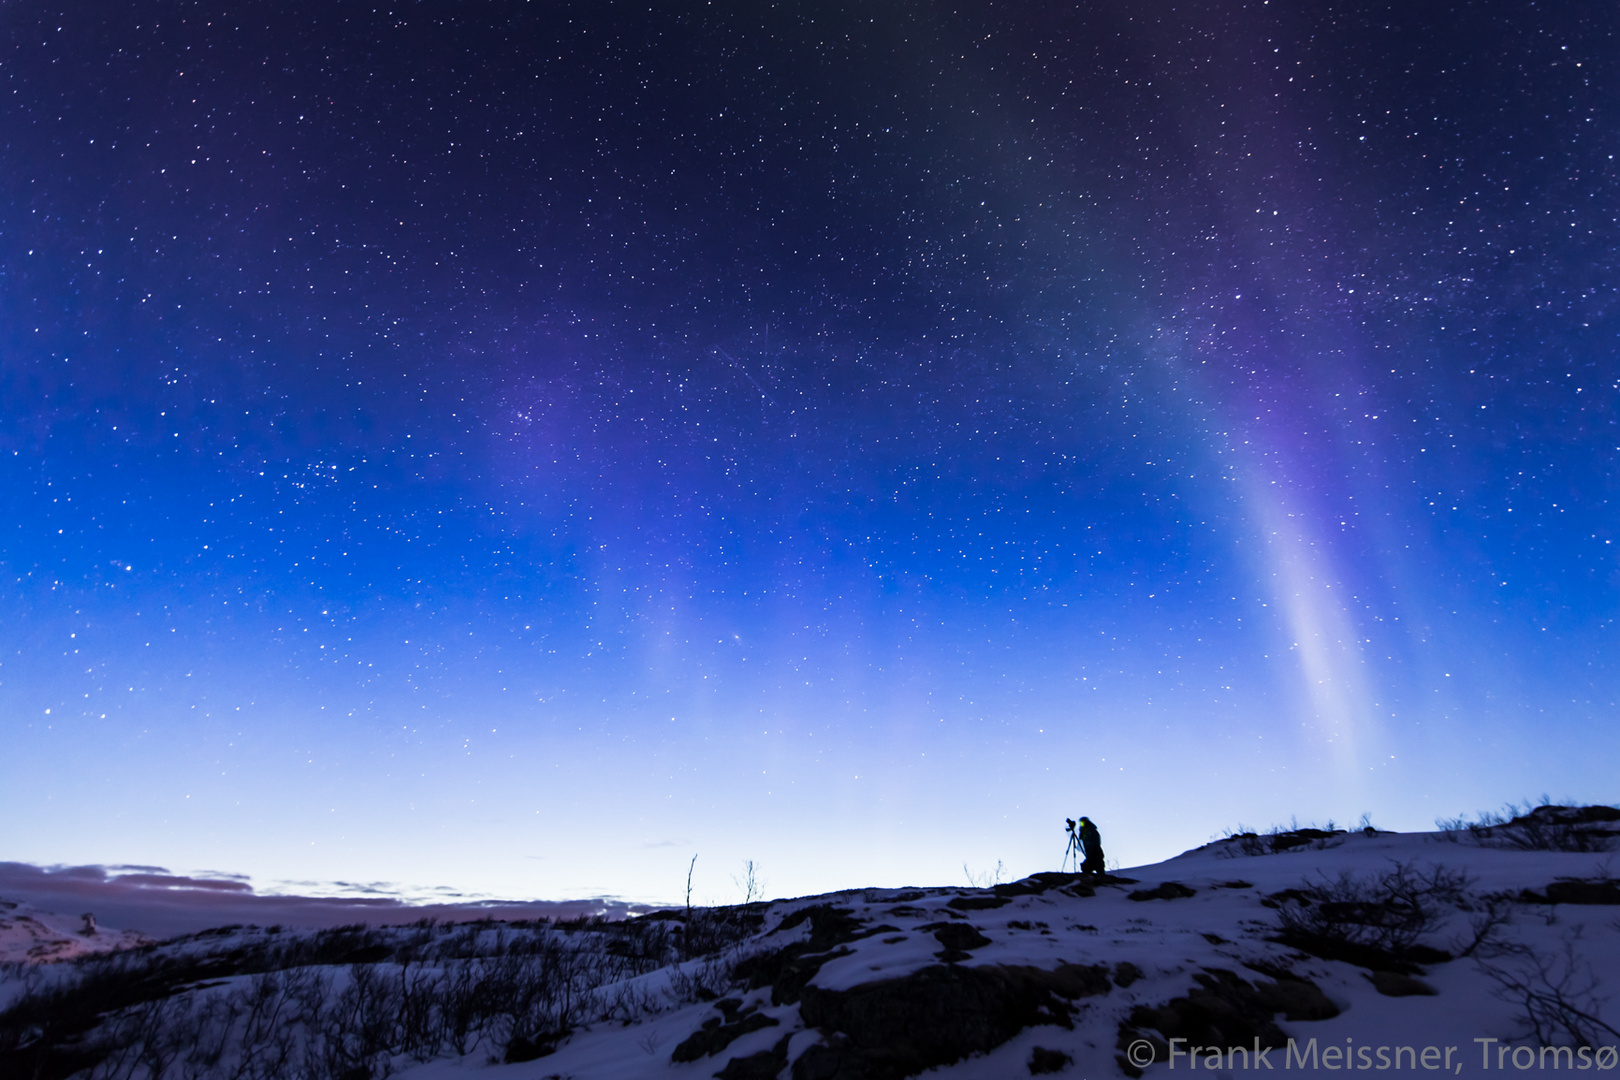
column 154, row 901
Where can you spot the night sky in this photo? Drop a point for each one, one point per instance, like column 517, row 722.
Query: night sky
column 515, row 447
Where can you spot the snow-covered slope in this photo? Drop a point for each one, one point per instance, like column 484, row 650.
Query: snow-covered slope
column 30, row 936
column 1305, row 952
column 1145, row 953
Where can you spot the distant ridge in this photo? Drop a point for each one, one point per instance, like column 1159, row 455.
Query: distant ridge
column 159, row 903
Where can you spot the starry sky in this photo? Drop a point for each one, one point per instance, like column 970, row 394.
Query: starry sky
column 517, row 447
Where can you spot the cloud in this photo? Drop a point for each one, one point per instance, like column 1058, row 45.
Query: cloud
column 157, row 902
column 375, row 888
column 171, row 881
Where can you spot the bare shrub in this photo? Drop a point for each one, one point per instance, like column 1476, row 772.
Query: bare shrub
column 703, row 981
column 1452, row 830
column 1557, row 995
column 751, row 884
column 1538, row 828
column 1366, row 919
column 630, row 1002
column 1279, row 839
column 1489, row 915
column 331, row 1005
column 985, row 879
column 708, row 931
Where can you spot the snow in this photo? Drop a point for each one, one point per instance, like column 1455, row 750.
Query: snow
column 1228, row 923
column 1166, row 939
column 31, row 936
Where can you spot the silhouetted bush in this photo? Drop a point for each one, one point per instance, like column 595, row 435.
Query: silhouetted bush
column 1375, row 920
column 1542, row 828
column 1557, row 996
column 1278, row 839
column 331, row 1005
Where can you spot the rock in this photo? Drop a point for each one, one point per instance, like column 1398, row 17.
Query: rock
column 1170, row 890
column 1287, row 841
column 714, row 1037
column 1569, row 815
column 761, row 1066
column 1556, row 828
column 1006, row 890
column 1042, row 1060
column 899, row 1027
column 788, row 969
column 829, row 926
column 1407, row 961
column 1036, row 884
column 521, row 1049
column 958, row 938
column 1126, row 973
column 1394, row 984
column 1601, row 891
column 1224, row 1010
column 785, row 991
column 833, row 1059
column 1296, row 998
column 977, row 903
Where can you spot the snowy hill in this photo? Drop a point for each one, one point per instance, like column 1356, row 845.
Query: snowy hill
column 28, row 935
column 1305, row 951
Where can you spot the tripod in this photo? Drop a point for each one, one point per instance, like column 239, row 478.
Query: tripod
column 1076, row 850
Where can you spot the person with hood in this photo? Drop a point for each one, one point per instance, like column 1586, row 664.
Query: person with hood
column 1091, row 842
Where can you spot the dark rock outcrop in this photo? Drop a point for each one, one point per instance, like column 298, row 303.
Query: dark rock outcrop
column 715, row 1036
column 958, row 938
column 1225, row 1010
column 1170, row 890
column 788, row 969
column 977, row 903
column 1394, row 984
column 764, row 1065
column 1042, row 1060
column 899, row 1027
column 1574, row 891
column 1407, row 961
column 830, row 926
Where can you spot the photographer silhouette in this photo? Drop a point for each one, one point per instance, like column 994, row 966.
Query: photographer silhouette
column 1085, row 847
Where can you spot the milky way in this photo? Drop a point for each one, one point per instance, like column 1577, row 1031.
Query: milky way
column 524, row 448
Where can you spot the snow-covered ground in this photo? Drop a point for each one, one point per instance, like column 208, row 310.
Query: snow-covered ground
column 1450, row 950
column 30, row 936
column 1223, row 925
